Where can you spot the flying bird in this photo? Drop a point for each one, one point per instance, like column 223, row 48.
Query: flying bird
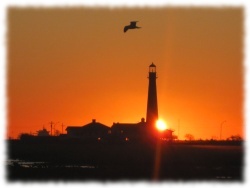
column 131, row 26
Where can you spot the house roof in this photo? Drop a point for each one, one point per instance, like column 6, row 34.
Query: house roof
column 96, row 125
column 93, row 124
column 126, row 125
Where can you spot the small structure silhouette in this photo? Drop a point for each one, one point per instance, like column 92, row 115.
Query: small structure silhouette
column 91, row 131
column 131, row 26
column 128, row 131
column 43, row 132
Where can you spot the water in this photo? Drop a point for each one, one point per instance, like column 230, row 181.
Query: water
column 36, row 164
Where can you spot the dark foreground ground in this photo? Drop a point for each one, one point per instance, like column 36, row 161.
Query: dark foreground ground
column 98, row 161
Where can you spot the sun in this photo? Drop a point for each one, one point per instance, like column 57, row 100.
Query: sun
column 161, row 125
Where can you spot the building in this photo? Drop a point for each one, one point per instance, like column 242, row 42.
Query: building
column 128, row 131
column 91, row 131
column 152, row 108
column 152, row 105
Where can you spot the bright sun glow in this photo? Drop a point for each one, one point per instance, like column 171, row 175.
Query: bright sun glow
column 161, row 125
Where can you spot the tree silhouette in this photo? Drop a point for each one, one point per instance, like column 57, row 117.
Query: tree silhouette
column 189, row 137
column 235, row 138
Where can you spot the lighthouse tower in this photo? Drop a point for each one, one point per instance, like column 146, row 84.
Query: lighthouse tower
column 152, row 107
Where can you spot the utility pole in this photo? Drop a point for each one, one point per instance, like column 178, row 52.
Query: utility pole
column 51, row 124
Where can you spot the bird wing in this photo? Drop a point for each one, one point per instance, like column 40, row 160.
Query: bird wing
column 133, row 23
column 125, row 28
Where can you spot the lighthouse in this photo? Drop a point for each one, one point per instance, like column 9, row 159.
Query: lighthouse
column 152, row 106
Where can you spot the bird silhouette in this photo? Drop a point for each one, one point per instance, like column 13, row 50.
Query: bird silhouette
column 131, row 26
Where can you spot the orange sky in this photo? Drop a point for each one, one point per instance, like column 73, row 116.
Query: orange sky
column 73, row 65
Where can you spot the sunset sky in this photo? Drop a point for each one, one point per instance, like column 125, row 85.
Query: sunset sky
column 72, row 65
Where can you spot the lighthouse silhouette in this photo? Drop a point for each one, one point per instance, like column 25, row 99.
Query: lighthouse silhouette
column 152, row 106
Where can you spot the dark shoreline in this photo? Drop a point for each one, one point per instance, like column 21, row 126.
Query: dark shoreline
column 133, row 161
